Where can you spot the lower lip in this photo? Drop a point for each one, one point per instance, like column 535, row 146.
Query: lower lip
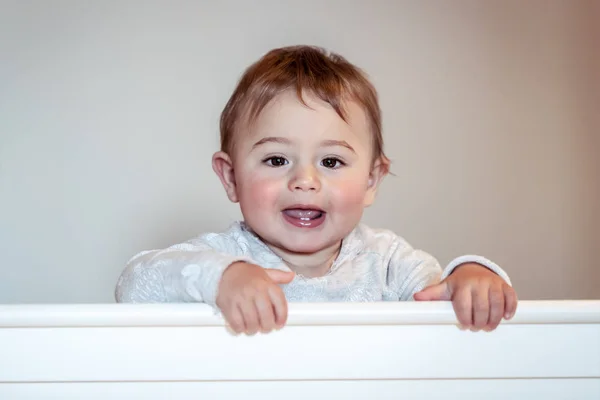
column 305, row 223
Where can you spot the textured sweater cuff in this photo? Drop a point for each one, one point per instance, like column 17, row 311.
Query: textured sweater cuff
column 202, row 280
column 478, row 260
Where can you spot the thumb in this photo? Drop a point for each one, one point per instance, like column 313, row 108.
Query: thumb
column 279, row 276
column 440, row 291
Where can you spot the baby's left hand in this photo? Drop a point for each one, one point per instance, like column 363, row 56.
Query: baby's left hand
column 479, row 296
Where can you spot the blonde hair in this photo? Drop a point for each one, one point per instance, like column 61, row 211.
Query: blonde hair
column 308, row 69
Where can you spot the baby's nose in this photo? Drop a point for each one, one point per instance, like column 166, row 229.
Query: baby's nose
column 306, row 179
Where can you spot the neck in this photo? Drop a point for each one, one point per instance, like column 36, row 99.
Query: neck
column 309, row 265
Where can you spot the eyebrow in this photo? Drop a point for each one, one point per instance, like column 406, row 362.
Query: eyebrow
column 271, row 139
column 281, row 140
column 343, row 143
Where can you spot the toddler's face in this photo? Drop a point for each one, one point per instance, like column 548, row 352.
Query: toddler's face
column 303, row 175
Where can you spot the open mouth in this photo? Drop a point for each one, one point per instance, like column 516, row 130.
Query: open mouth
column 308, row 217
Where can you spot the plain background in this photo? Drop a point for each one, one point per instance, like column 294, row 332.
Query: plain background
column 109, row 116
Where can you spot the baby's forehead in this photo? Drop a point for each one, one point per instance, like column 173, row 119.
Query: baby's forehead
column 290, row 112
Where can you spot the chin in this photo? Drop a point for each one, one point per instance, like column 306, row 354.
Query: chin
column 306, row 246
column 303, row 249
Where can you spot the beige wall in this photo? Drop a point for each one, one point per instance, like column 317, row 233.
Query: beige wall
column 109, row 111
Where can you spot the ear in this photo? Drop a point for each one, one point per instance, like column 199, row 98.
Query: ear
column 380, row 169
column 223, row 167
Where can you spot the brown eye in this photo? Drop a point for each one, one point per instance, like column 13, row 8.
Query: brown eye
column 276, row 161
column 331, row 163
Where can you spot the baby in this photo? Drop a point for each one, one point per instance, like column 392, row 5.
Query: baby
column 302, row 153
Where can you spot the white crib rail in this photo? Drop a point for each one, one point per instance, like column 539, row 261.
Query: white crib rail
column 551, row 349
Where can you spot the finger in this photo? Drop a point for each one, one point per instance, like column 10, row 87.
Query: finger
column 251, row 323
column 264, row 309
column 433, row 293
column 280, row 306
column 279, row 276
column 496, row 298
column 481, row 307
column 235, row 320
column 462, row 307
column 510, row 299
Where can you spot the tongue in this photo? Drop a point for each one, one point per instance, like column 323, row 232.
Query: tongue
column 303, row 214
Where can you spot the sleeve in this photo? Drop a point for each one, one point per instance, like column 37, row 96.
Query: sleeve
column 186, row 272
column 411, row 270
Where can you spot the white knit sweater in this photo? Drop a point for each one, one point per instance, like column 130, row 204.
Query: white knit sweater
column 373, row 265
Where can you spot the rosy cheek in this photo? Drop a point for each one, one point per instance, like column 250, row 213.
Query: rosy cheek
column 260, row 191
column 349, row 195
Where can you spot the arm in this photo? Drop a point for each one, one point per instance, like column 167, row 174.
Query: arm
column 480, row 290
column 186, row 272
column 248, row 295
column 411, row 270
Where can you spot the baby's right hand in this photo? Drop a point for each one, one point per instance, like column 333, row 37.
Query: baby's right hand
column 251, row 300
